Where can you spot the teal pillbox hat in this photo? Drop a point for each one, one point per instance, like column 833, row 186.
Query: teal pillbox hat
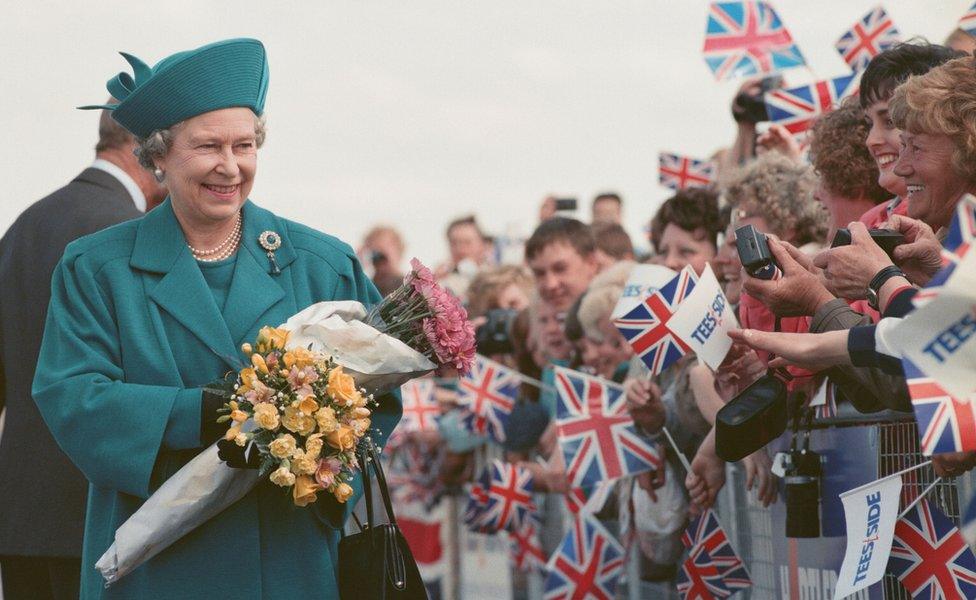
column 224, row 74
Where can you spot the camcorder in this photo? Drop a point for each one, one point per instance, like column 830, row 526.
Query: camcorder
column 753, row 248
column 495, row 336
column 751, row 108
column 803, row 469
column 886, row 239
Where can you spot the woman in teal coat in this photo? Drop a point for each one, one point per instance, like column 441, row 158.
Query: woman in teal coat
column 143, row 315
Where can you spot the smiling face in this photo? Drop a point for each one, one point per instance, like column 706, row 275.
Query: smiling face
column 933, row 185
column 210, row 165
column 561, row 274
column 884, row 144
column 678, row 248
column 605, row 354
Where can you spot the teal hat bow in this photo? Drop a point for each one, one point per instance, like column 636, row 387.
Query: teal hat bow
column 226, row 74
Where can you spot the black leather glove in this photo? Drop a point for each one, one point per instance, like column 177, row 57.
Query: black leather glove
column 210, row 429
column 239, row 457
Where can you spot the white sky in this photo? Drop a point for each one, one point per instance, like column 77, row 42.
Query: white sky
column 413, row 113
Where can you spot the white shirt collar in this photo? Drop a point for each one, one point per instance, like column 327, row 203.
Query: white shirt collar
column 138, row 198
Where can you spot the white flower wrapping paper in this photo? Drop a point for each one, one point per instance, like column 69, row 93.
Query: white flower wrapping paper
column 205, row 486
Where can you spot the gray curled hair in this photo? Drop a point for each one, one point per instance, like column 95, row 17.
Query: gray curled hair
column 158, row 143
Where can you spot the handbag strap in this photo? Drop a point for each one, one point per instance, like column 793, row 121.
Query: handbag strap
column 369, row 460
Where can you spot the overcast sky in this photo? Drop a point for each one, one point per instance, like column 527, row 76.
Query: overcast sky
column 413, row 113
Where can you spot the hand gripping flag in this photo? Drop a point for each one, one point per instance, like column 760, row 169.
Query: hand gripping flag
column 527, row 553
column 747, row 38
column 705, row 534
column 645, row 327
column 509, row 504
column 681, row 172
column 700, row 579
column 945, row 423
column 867, row 38
column 596, row 433
column 586, row 565
column 797, row 108
column 488, row 392
column 968, row 21
column 930, row 558
column 419, row 407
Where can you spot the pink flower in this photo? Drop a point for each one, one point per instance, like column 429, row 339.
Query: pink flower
column 450, row 334
column 259, row 393
column 301, row 380
column 421, row 278
column 327, row 470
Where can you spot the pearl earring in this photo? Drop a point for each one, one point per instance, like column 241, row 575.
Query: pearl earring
column 159, row 174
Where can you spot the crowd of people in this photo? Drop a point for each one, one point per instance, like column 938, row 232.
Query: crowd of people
column 897, row 156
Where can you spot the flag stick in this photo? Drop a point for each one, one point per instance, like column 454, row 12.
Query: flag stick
column 920, row 496
column 899, row 473
column 681, row 456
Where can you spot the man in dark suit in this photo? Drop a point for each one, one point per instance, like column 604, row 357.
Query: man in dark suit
column 43, row 495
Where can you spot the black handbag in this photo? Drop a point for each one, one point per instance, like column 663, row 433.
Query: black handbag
column 752, row 419
column 376, row 563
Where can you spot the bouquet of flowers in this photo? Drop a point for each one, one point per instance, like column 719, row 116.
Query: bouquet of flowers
column 309, row 415
column 303, row 403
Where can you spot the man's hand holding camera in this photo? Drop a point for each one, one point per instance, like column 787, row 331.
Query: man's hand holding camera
column 848, row 270
column 798, row 292
column 920, row 257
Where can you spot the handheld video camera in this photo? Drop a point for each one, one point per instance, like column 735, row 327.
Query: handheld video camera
column 887, row 239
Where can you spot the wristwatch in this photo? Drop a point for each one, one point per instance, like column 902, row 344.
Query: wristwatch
column 874, row 288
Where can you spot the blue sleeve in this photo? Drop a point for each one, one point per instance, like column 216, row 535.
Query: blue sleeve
column 861, row 347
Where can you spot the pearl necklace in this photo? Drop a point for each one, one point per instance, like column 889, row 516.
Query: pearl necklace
column 224, row 250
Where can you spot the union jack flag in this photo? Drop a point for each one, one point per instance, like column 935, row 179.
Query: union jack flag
column 700, row 579
column 419, row 407
column 477, row 500
column 645, row 327
column 827, row 410
column 488, row 392
column 705, row 534
column 867, row 38
column 681, row 172
column 747, row 38
column 412, row 471
column 958, row 241
column 509, row 503
column 526, row 552
column 596, row 433
column 968, row 21
column 797, row 108
column 586, row 565
column 929, row 556
column 945, row 423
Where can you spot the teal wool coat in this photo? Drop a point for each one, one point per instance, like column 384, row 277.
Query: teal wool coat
column 133, row 333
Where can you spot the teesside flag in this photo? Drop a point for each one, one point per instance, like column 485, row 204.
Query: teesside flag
column 797, row 108
column 596, row 432
column 747, row 38
column 867, row 38
column 680, row 172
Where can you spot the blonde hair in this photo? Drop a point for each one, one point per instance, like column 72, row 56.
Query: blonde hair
column 485, row 288
column 942, row 101
column 601, row 297
column 781, row 191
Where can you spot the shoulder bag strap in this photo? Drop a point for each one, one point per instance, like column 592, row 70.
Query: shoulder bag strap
column 381, row 482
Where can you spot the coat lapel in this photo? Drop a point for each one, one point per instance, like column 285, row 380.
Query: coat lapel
column 160, row 247
column 254, row 290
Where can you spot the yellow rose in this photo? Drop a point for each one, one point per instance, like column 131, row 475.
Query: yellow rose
column 270, row 338
column 232, row 432
column 283, row 477
column 266, row 416
column 359, row 426
column 342, row 387
column 283, row 446
column 326, row 419
column 298, row 357
column 313, row 446
column 303, row 464
column 343, row 438
column 342, row 492
column 305, row 490
column 248, row 377
column 295, row 420
column 258, row 361
column 308, row 405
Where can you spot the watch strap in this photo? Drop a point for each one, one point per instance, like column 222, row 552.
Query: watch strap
column 879, row 280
